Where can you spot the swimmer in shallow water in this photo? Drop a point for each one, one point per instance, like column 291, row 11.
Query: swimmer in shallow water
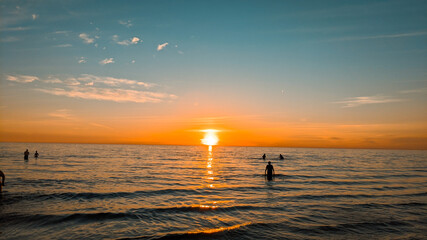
column 2, row 180
column 269, row 171
column 26, row 154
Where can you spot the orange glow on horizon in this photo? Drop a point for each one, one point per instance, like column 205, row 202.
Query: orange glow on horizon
column 239, row 131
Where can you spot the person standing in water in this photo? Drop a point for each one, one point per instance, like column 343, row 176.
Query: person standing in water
column 269, row 171
column 263, row 156
column 26, row 154
column 36, row 154
column 281, row 157
column 2, row 180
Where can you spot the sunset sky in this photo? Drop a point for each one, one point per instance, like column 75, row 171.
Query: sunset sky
column 263, row 73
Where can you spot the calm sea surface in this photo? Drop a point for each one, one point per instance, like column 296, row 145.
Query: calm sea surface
column 83, row 191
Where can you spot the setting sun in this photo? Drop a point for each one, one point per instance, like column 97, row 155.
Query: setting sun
column 210, row 137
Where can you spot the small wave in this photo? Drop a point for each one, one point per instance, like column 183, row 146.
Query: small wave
column 42, row 219
column 80, row 156
column 46, row 219
column 13, row 198
column 411, row 204
column 335, row 182
column 382, row 205
column 359, row 227
column 198, row 234
column 356, row 196
column 204, row 208
column 305, row 176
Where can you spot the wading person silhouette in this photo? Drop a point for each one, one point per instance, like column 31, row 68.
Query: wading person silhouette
column 2, row 180
column 26, row 154
column 263, row 156
column 269, row 171
column 36, row 154
column 281, row 157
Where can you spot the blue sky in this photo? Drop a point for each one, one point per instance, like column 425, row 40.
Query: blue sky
column 271, row 63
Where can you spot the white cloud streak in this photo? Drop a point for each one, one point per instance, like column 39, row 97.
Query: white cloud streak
column 106, row 61
column 113, row 82
column 127, row 23
column 359, row 101
column 86, row 38
column 91, row 87
column 9, row 39
column 134, row 40
column 14, row 29
column 62, row 113
column 109, row 94
column 52, row 80
column 399, row 35
column 63, row 45
column 419, row 90
column 161, row 46
column 22, row 78
column 62, row 32
column 82, row 60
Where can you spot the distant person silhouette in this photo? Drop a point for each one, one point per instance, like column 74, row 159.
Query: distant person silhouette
column 269, row 171
column 36, row 154
column 263, row 156
column 281, row 157
column 26, row 154
column 2, row 180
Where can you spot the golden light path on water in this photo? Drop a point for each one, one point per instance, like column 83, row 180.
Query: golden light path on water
column 210, row 139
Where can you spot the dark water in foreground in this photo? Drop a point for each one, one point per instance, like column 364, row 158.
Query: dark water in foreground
column 176, row 192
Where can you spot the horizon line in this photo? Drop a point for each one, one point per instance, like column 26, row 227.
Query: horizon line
column 202, row 145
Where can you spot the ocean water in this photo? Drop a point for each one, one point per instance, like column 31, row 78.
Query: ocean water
column 83, row 191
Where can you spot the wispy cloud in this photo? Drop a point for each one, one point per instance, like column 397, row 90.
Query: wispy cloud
column 14, row 29
column 86, row 38
column 22, row 78
column 87, row 86
column 161, row 46
column 71, row 81
column 62, row 32
column 51, row 79
column 134, row 40
column 359, row 101
column 106, row 61
column 116, row 95
column 399, row 35
column 419, row 90
column 110, row 81
column 62, row 113
column 82, row 60
column 13, row 16
column 127, row 23
column 63, row 45
column 9, row 39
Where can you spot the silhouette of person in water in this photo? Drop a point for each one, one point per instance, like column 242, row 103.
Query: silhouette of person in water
column 26, row 154
column 281, row 157
column 36, row 154
column 269, row 171
column 2, row 180
column 263, row 156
